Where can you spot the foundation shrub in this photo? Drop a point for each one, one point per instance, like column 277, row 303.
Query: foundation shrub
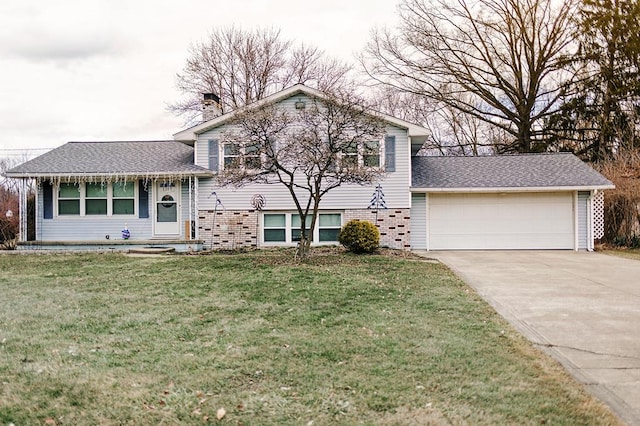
column 360, row 236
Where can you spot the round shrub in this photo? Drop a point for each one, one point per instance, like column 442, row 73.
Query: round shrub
column 359, row 236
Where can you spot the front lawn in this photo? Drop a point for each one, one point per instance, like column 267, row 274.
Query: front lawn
column 252, row 339
column 621, row 252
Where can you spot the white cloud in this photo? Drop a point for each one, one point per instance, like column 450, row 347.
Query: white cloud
column 105, row 69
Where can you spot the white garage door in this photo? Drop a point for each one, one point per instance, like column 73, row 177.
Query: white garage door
column 501, row 221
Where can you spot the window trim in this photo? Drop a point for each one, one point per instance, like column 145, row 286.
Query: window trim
column 243, row 156
column 58, row 198
column 288, row 228
column 82, row 199
column 236, row 156
column 103, row 196
column 362, row 151
column 115, row 198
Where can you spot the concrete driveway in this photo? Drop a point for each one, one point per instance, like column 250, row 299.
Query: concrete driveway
column 582, row 308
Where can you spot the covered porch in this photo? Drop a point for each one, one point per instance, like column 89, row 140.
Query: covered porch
column 146, row 201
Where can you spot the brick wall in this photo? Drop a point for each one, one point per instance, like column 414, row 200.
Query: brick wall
column 393, row 224
column 237, row 229
column 228, row 229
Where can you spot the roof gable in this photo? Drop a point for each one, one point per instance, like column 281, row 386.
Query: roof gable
column 135, row 158
column 514, row 172
column 191, row 134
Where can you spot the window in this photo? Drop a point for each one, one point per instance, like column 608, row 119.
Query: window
column 124, row 195
column 252, row 158
column 97, row 199
column 69, row 199
column 350, row 156
column 366, row 154
column 275, row 228
column 329, row 226
column 371, row 154
column 296, row 227
column 231, row 156
column 284, row 228
column 235, row 156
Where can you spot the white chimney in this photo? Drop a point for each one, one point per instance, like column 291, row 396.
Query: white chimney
column 210, row 106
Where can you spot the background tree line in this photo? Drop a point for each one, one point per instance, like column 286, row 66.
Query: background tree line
column 486, row 76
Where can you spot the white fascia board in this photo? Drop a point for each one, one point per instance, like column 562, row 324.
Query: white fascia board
column 512, row 189
column 412, row 129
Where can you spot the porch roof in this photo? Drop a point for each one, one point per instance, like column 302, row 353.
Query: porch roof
column 113, row 159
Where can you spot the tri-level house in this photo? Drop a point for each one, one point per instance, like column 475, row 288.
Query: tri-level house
column 117, row 195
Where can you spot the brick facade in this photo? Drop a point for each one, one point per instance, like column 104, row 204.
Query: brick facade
column 393, row 224
column 228, row 229
column 238, row 229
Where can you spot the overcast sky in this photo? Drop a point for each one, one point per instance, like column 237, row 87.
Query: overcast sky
column 80, row 70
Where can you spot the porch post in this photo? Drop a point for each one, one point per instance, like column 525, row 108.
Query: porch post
column 196, row 218
column 23, row 215
column 188, row 237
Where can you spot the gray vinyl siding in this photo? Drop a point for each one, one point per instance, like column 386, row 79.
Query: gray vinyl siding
column 418, row 221
column 395, row 185
column 583, row 220
column 96, row 228
column 89, row 228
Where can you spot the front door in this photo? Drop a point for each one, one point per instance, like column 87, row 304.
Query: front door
column 167, row 208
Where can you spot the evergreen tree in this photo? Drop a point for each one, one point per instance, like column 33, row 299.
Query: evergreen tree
column 601, row 115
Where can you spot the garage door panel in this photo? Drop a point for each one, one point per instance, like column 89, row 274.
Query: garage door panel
column 501, row 221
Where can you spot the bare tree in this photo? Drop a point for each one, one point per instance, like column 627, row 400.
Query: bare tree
column 9, row 204
column 243, row 66
column 500, row 61
column 311, row 151
column 452, row 132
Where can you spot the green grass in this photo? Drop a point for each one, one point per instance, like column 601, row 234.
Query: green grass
column 627, row 253
column 342, row 339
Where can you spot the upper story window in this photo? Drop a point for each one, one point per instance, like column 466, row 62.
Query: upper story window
column 236, row 156
column 366, row 154
column 375, row 153
column 231, row 156
column 350, row 156
column 371, row 154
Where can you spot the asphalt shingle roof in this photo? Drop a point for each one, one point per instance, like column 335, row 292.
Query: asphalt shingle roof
column 113, row 158
column 505, row 171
